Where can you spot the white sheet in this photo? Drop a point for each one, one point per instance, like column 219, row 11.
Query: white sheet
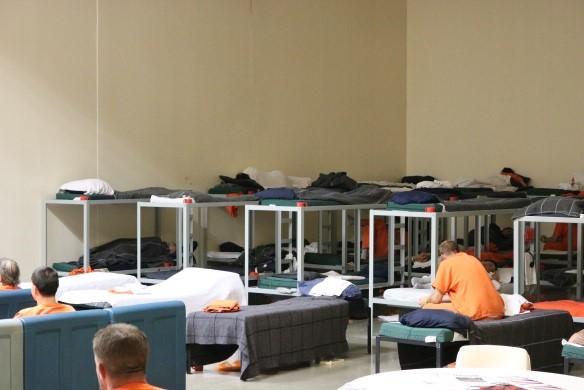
column 409, row 294
column 195, row 287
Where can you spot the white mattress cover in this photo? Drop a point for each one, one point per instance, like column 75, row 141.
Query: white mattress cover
column 409, row 294
column 95, row 281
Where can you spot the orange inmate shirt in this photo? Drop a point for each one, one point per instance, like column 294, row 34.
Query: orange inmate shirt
column 40, row 310
column 471, row 291
column 8, row 287
column 137, row 386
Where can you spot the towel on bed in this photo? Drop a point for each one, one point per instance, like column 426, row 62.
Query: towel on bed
column 222, row 306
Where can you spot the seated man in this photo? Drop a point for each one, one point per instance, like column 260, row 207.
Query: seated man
column 45, row 283
column 468, row 284
column 9, row 274
column 121, row 353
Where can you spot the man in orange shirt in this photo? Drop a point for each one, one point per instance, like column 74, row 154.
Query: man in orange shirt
column 9, row 274
column 121, row 353
column 45, row 283
column 467, row 283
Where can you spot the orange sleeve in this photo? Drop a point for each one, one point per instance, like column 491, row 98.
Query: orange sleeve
column 443, row 281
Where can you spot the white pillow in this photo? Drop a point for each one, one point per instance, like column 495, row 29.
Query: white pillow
column 89, row 186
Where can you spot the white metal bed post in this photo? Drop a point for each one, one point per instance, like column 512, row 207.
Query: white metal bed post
column 300, row 244
column 371, row 274
column 86, row 235
column 357, row 243
column 139, row 240
column 186, row 235
column 44, row 233
column 343, row 241
column 579, row 263
column 536, row 255
column 518, row 254
column 179, row 237
column 433, row 245
column 278, row 239
column 570, row 246
column 391, row 254
column 402, row 252
column 246, row 246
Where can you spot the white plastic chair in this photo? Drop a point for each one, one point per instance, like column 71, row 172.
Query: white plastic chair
column 493, row 356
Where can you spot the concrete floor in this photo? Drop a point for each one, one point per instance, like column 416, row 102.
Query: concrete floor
column 355, row 364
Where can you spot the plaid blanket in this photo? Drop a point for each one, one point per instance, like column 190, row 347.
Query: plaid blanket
column 279, row 334
column 554, row 206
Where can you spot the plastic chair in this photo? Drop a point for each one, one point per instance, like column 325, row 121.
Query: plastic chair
column 493, row 356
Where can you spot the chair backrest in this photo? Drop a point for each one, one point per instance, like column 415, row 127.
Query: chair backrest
column 11, row 301
column 493, row 356
column 164, row 323
column 58, row 351
column 11, row 355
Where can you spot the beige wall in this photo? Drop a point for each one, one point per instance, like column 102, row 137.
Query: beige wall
column 181, row 91
column 495, row 83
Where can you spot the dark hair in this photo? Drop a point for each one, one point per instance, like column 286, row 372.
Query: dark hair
column 46, row 280
column 122, row 349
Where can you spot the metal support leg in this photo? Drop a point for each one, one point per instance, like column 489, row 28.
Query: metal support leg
column 566, row 366
column 570, row 246
column 439, row 355
column 453, row 229
column 248, row 223
column 86, row 238
column 344, row 241
column 579, row 263
column 186, row 230
column 518, row 256
column 377, row 354
column 465, row 231
column 433, row 246
column 478, row 236
column 371, row 280
column 536, row 256
column 391, row 253
column 179, row 238
column 402, row 250
column 139, row 241
column 278, row 236
column 45, row 234
column 357, row 243
column 300, row 244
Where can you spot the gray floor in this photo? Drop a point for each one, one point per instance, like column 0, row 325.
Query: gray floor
column 331, row 375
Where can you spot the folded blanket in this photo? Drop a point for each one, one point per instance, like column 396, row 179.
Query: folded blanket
column 222, row 306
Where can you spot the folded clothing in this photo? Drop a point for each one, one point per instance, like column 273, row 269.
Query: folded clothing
column 414, row 196
column 330, row 287
column 222, row 306
column 277, row 193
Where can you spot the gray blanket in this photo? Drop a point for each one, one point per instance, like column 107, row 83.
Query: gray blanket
column 486, row 204
column 199, row 197
column 364, row 194
column 554, row 206
column 279, row 334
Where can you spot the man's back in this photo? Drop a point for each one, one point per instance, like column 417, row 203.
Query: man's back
column 471, row 291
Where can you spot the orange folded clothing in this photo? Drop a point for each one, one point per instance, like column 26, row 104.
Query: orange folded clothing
column 226, row 366
column 222, row 306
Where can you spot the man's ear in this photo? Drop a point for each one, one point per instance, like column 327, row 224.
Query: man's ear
column 101, row 370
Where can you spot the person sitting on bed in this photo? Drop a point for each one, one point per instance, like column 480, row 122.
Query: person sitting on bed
column 121, row 352
column 559, row 238
column 9, row 274
column 467, row 283
column 45, row 283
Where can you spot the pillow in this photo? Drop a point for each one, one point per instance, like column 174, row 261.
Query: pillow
column 89, row 186
column 515, row 304
column 431, row 318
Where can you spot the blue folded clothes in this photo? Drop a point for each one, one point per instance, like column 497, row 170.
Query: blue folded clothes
column 414, row 196
column 277, row 193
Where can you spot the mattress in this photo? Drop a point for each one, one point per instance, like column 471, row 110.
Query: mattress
column 414, row 206
column 72, row 196
column 293, row 202
column 397, row 330
column 195, row 287
column 95, row 281
column 322, row 259
column 575, row 308
column 274, row 282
